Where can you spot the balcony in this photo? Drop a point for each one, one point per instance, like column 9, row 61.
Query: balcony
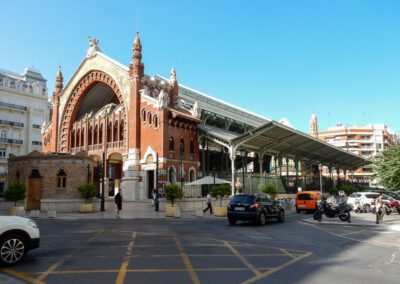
column 11, row 123
column 10, row 141
column 13, row 106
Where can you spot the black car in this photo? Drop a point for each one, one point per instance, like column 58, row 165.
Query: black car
column 254, row 207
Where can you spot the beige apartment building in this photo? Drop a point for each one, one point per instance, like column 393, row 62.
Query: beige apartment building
column 365, row 141
column 23, row 109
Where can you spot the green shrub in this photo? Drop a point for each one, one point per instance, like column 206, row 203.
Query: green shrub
column 271, row 190
column 348, row 189
column 333, row 191
column 15, row 192
column 172, row 192
column 220, row 190
column 87, row 191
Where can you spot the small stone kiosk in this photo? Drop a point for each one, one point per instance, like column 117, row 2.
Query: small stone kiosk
column 52, row 179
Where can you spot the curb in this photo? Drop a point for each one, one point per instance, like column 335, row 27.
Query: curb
column 322, row 223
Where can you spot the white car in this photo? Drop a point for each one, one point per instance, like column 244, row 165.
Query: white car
column 18, row 235
column 362, row 199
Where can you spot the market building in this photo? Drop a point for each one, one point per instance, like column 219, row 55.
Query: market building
column 148, row 131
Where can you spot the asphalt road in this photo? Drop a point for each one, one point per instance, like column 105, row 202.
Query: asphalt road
column 209, row 251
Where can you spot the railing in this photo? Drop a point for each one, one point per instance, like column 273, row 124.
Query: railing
column 10, row 141
column 11, row 123
column 13, row 106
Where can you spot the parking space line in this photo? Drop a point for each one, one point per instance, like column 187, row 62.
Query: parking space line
column 243, row 259
column 186, row 261
column 287, row 253
column 377, row 244
column 21, row 276
column 58, row 263
column 124, row 265
column 275, row 269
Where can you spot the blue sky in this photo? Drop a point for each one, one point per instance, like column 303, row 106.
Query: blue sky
column 339, row 59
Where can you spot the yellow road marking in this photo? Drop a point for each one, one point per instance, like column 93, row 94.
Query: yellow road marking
column 275, row 269
column 186, row 261
column 288, row 253
column 243, row 259
column 21, row 276
column 57, row 264
column 124, row 265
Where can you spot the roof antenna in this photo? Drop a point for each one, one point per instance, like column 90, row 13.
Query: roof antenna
column 137, row 20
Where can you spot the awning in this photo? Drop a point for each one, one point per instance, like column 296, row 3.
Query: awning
column 277, row 139
column 208, row 180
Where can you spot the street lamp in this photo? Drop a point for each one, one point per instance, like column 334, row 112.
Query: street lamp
column 181, row 150
column 102, row 182
column 320, row 177
column 243, row 154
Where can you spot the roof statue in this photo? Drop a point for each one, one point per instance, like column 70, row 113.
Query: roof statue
column 195, row 111
column 93, row 47
column 163, row 99
column 172, row 79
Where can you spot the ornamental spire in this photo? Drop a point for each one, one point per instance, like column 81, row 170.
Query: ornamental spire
column 59, row 80
column 137, row 47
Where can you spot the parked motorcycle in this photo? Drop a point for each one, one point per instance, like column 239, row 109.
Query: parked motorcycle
column 332, row 211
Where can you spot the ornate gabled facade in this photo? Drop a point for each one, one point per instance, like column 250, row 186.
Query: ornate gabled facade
column 134, row 119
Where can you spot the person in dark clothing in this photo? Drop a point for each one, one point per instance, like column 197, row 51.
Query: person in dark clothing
column 118, row 201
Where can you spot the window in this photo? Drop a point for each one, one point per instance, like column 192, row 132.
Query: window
column 3, row 134
column 171, row 147
column 3, row 152
column 144, row 115
column 182, row 149
column 61, row 179
column 121, row 131
column 149, row 118
column 36, row 143
column 155, row 121
column 115, row 134
column 36, row 126
column 171, row 175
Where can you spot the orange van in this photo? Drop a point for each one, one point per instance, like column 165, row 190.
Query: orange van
column 307, row 200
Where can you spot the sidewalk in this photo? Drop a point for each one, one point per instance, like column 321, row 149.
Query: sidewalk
column 390, row 222
column 130, row 210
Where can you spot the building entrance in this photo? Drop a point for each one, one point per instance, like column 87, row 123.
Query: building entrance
column 150, row 184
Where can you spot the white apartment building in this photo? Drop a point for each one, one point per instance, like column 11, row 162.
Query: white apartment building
column 23, row 109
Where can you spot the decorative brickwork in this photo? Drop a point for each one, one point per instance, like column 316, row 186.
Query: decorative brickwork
column 72, row 106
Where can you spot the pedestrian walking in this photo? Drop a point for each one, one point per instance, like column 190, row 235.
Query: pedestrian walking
column 379, row 208
column 118, row 202
column 208, row 201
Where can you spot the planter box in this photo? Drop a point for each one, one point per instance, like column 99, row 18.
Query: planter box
column 16, row 210
column 51, row 213
column 220, row 211
column 86, row 208
column 170, row 211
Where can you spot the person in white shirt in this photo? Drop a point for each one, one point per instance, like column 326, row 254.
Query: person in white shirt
column 208, row 200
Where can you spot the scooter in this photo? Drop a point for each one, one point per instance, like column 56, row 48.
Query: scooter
column 331, row 211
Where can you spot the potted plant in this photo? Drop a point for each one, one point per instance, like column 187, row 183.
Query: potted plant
column 172, row 192
column 219, row 191
column 15, row 192
column 271, row 190
column 87, row 192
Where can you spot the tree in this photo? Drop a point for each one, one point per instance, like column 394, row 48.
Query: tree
column 220, row 191
column 172, row 192
column 87, row 191
column 15, row 192
column 387, row 166
column 270, row 189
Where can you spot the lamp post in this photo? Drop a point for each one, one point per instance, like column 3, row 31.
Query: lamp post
column 320, row 177
column 243, row 154
column 102, row 168
column 181, row 162
column 213, row 169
